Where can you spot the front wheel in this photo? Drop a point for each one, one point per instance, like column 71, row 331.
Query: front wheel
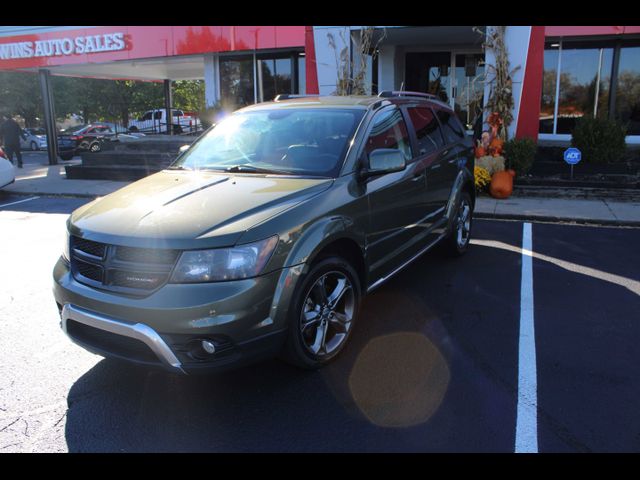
column 457, row 242
column 325, row 307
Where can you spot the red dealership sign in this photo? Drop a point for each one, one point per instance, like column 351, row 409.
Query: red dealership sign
column 107, row 44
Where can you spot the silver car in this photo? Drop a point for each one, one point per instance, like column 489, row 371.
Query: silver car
column 34, row 139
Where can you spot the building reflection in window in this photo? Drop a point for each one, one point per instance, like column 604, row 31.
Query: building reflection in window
column 627, row 107
column 236, row 82
column 585, row 76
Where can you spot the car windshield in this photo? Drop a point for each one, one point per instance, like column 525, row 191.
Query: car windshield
column 304, row 141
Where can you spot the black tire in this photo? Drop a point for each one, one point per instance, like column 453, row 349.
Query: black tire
column 34, row 147
column 296, row 351
column 95, row 147
column 66, row 156
column 452, row 243
column 133, row 129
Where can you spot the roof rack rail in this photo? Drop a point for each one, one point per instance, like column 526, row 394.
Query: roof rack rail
column 403, row 93
column 287, row 96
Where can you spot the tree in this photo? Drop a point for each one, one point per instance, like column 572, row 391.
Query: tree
column 20, row 95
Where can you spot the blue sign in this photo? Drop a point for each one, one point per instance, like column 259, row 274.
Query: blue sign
column 572, row 156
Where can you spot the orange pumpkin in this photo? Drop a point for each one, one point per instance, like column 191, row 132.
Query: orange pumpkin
column 501, row 185
column 496, row 146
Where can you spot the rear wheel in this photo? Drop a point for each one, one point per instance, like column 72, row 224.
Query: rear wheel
column 325, row 307
column 457, row 242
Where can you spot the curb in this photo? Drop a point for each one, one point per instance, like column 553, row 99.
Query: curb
column 552, row 219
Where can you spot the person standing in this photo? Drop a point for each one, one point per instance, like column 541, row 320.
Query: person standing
column 11, row 132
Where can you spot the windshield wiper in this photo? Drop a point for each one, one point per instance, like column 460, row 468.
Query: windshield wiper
column 252, row 169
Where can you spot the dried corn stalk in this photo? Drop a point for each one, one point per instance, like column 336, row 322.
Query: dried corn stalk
column 501, row 81
column 352, row 74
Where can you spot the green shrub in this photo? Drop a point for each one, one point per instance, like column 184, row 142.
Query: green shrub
column 519, row 154
column 600, row 140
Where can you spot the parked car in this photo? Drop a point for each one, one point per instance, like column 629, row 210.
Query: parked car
column 90, row 138
column 263, row 236
column 155, row 121
column 7, row 171
column 34, row 139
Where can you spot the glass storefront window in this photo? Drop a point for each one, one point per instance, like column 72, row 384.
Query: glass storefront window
column 584, row 84
column 275, row 78
column 585, row 80
column 549, row 77
column 236, row 81
column 627, row 107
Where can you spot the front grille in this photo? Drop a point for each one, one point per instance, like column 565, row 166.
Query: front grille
column 89, row 247
column 111, row 343
column 128, row 270
column 146, row 255
column 89, row 270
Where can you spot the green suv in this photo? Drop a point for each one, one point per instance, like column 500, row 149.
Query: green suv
column 262, row 237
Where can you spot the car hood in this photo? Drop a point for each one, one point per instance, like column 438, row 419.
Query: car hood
column 183, row 208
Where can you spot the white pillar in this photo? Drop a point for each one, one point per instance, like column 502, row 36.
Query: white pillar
column 211, row 79
column 386, row 68
column 517, row 44
column 327, row 59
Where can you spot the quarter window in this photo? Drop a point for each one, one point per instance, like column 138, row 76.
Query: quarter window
column 427, row 129
column 389, row 131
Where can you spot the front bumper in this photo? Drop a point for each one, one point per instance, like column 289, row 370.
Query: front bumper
column 245, row 319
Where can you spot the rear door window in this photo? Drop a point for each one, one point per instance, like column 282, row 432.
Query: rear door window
column 451, row 127
column 427, row 129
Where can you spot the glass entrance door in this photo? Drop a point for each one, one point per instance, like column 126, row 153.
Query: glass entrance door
column 429, row 72
column 468, row 88
column 456, row 78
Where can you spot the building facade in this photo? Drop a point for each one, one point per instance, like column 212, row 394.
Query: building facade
column 560, row 73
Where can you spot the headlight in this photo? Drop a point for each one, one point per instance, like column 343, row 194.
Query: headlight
column 65, row 246
column 242, row 261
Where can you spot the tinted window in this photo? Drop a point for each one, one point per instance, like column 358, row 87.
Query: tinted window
column 389, row 131
column 451, row 128
column 427, row 129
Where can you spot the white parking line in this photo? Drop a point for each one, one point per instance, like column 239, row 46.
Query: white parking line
column 527, row 413
column 19, row 201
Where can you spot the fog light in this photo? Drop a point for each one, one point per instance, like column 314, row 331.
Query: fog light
column 208, row 346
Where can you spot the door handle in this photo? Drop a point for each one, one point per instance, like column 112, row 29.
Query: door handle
column 419, row 175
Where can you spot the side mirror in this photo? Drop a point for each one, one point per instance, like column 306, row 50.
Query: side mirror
column 383, row 161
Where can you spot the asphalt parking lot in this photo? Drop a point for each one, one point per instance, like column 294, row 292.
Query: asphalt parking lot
column 441, row 360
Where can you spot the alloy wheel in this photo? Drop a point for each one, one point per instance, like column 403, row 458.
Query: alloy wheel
column 463, row 223
column 327, row 314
